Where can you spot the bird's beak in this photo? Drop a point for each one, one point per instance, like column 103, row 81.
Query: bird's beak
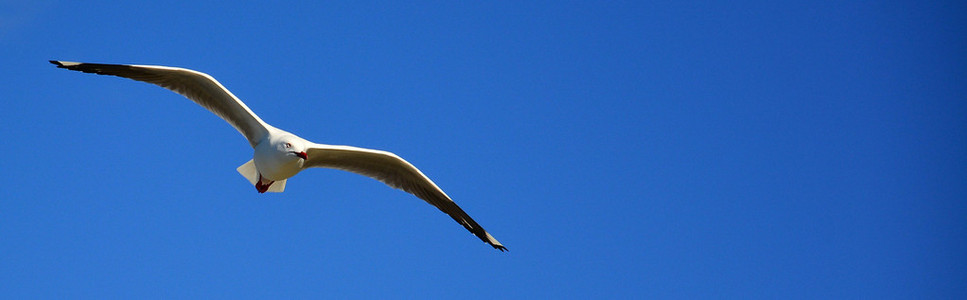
column 303, row 155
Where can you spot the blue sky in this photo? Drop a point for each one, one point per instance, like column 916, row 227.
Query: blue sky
column 733, row 149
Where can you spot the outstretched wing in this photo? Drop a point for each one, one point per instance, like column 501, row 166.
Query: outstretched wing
column 197, row 86
column 395, row 172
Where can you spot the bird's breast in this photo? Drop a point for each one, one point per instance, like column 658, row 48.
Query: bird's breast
column 276, row 170
column 276, row 166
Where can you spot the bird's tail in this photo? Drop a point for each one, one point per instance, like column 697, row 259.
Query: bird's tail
column 249, row 171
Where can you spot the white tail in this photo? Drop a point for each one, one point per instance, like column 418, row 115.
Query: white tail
column 249, row 171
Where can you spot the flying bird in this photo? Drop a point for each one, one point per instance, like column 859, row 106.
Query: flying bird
column 280, row 154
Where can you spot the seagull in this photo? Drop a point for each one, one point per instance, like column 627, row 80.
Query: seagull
column 280, row 154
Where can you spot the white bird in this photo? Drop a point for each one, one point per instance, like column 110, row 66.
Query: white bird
column 280, row 154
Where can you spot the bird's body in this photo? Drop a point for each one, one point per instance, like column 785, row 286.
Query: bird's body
column 275, row 157
column 278, row 155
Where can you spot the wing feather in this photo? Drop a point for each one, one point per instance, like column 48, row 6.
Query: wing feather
column 397, row 173
column 197, row 86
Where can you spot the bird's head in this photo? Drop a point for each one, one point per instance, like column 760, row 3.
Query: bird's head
column 294, row 146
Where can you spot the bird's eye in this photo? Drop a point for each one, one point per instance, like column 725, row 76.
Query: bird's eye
column 287, row 145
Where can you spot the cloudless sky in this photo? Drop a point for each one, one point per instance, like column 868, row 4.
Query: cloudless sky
column 730, row 149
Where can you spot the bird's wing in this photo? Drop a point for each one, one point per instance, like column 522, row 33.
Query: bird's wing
column 395, row 172
column 197, row 86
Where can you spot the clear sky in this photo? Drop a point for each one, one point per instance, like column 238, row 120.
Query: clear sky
column 731, row 149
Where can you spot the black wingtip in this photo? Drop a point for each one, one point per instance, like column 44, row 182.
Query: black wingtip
column 501, row 248
column 65, row 64
column 70, row 65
